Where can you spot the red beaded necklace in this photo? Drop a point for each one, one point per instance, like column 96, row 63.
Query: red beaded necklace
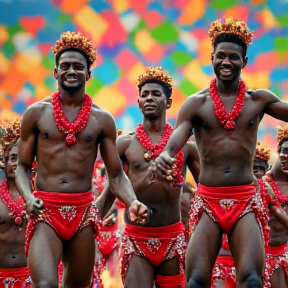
column 154, row 150
column 227, row 119
column 281, row 198
column 17, row 207
column 62, row 122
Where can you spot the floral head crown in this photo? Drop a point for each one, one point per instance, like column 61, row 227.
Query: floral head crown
column 155, row 73
column 77, row 41
column 262, row 152
column 9, row 133
column 282, row 133
column 230, row 26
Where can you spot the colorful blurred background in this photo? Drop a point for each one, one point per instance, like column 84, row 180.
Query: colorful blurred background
column 130, row 34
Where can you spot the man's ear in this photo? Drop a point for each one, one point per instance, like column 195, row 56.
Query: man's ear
column 212, row 56
column 245, row 61
column 169, row 103
column 55, row 73
column 88, row 75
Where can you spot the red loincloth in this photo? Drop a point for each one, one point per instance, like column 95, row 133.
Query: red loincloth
column 15, row 278
column 108, row 239
column 225, row 205
column 66, row 213
column 224, row 269
column 276, row 256
column 156, row 244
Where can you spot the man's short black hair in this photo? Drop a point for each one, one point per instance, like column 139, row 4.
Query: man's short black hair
column 166, row 88
column 232, row 38
column 57, row 57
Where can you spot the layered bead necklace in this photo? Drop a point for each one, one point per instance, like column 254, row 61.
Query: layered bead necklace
column 62, row 122
column 227, row 119
column 283, row 199
column 154, row 150
column 16, row 207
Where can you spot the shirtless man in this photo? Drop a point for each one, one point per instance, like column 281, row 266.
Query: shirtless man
column 226, row 144
column 13, row 221
column 156, row 251
column 224, row 270
column 64, row 132
column 276, row 185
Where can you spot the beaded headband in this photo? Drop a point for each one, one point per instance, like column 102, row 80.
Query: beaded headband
column 155, row 73
column 262, row 152
column 77, row 41
column 230, row 26
column 9, row 134
column 282, row 133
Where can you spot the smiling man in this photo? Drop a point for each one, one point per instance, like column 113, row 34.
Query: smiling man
column 64, row 132
column 225, row 118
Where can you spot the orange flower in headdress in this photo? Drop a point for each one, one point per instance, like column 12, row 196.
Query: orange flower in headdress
column 282, row 134
column 9, row 133
column 77, row 41
column 230, row 26
column 262, row 152
column 155, row 73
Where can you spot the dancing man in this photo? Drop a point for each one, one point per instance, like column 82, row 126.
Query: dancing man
column 64, row 132
column 225, row 118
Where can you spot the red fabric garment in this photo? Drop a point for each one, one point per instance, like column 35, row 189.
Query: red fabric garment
column 108, row 239
column 226, row 203
column 66, row 213
column 156, row 244
column 276, row 256
column 224, row 269
column 15, row 278
column 171, row 281
column 225, row 242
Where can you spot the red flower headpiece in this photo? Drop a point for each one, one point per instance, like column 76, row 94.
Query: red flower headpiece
column 75, row 40
column 230, row 26
column 262, row 152
column 155, row 73
column 282, row 134
column 9, row 133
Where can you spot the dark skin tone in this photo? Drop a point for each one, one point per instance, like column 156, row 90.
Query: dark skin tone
column 224, row 156
column 67, row 170
column 160, row 196
column 260, row 167
column 12, row 237
column 278, row 221
column 186, row 197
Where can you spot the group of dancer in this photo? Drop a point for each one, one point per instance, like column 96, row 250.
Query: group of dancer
column 146, row 169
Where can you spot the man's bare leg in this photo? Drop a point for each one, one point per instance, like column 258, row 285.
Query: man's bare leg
column 79, row 258
column 43, row 257
column 202, row 251
column 140, row 273
column 247, row 248
column 278, row 278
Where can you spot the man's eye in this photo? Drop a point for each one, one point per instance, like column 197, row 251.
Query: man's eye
column 234, row 57
column 220, row 56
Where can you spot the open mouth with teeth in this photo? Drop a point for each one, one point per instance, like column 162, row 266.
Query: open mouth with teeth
column 226, row 72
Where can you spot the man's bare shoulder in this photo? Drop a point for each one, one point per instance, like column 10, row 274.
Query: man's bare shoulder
column 35, row 110
column 199, row 96
column 101, row 114
column 262, row 95
column 124, row 140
